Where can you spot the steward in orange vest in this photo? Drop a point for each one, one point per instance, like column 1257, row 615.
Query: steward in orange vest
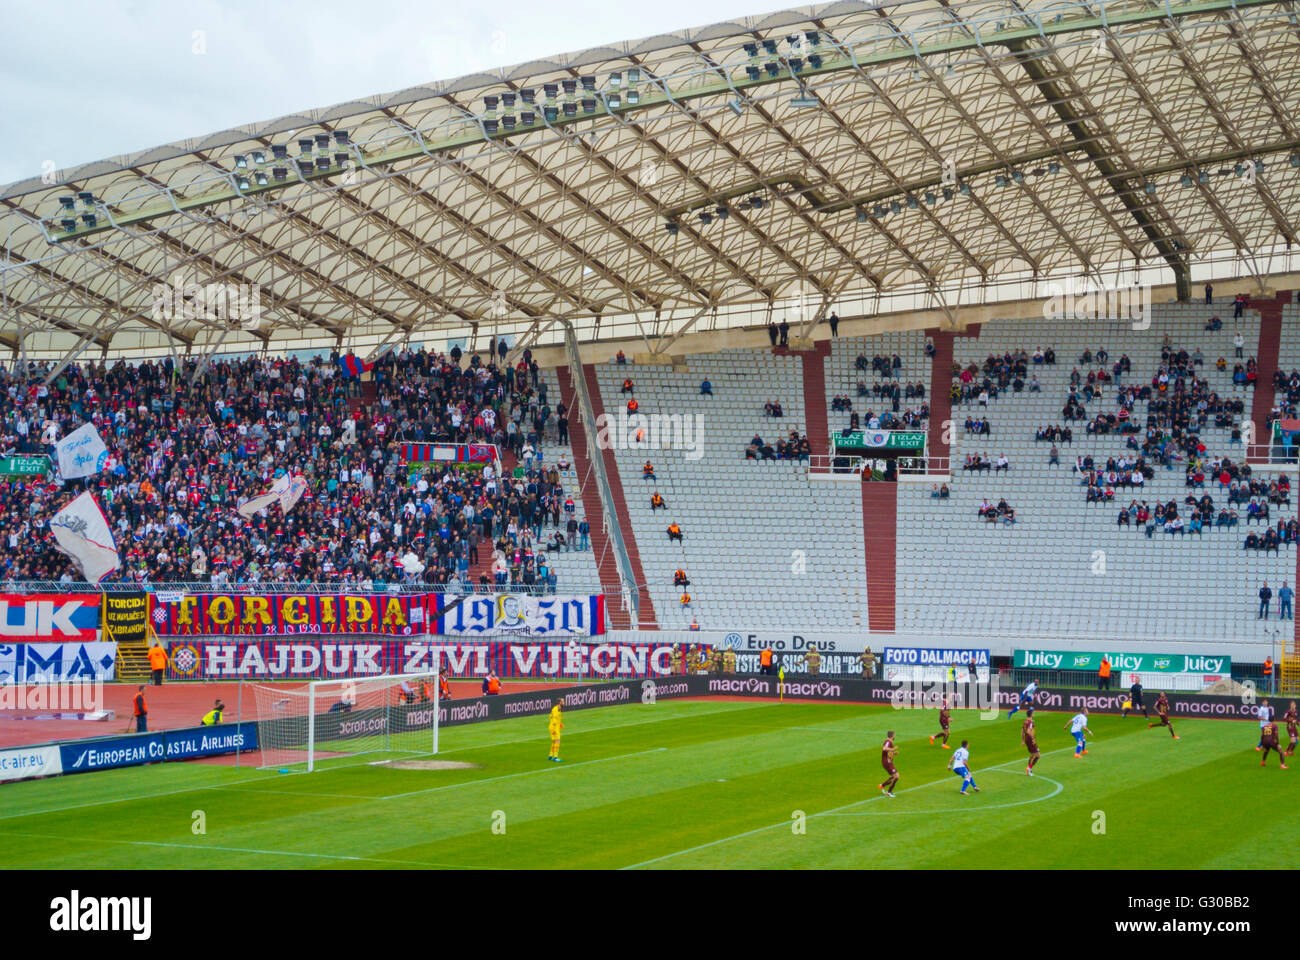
column 157, row 662
column 765, row 660
column 1103, row 675
column 140, row 710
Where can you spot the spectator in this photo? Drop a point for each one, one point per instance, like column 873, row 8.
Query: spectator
column 834, row 322
column 1284, row 596
column 706, row 388
column 1265, row 595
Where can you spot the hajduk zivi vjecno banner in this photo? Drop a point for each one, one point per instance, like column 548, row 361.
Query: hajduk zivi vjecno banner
column 287, row 614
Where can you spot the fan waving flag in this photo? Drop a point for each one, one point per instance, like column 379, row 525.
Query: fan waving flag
column 287, row 491
column 81, row 531
column 81, row 453
column 354, row 366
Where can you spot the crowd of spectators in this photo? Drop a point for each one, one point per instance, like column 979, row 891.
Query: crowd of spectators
column 188, row 445
column 793, row 447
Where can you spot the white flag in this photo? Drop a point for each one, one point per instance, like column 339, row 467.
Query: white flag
column 81, row 453
column 287, row 491
column 81, row 531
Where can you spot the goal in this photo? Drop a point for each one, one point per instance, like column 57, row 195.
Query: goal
column 327, row 719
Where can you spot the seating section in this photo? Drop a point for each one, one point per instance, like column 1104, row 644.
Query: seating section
column 1065, row 567
column 761, row 543
column 843, row 376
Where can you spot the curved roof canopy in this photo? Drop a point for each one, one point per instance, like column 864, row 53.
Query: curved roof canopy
column 817, row 154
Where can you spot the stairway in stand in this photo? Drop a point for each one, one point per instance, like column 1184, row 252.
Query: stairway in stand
column 880, row 538
column 484, row 566
column 940, row 384
column 814, row 394
column 133, row 661
column 1266, row 353
column 619, row 618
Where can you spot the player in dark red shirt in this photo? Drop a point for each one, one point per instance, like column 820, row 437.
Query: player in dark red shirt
column 1030, row 739
column 887, row 751
column 1291, row 718
column 1268, row 740
column 1162, row 712
column 945, row 721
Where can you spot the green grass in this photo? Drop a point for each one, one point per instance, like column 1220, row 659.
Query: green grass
column 688, row 785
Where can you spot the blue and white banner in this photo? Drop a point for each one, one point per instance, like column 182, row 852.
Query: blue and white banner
column 129, row 751
column 523, row 615
column 211, row 741
column 23, row 762
column 935, row 657
column 56, row 662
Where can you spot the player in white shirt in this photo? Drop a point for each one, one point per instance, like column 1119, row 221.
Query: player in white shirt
column 1265, row 718
column 1078, row 726
column 960, row 765
column 1026, row 697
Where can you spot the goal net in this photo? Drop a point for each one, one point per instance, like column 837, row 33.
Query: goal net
column 326, row 719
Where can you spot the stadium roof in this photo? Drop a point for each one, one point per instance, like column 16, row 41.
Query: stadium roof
column 835, row 154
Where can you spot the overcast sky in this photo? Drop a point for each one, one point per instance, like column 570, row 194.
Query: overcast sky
column 91, row 80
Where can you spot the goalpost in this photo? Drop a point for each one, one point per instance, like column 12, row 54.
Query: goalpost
column 346, row 718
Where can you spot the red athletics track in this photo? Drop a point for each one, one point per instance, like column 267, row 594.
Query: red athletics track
column 177, row 705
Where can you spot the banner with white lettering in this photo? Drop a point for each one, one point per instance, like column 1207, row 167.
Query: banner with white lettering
column 56, row 662
column 523, row 615
column 316, row 659
column 30, row 617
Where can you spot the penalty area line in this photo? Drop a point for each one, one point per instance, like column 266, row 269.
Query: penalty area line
column 824, row 813
column 521, row 773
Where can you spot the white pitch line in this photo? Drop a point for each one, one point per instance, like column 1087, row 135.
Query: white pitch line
column 824, row 813
column 893, row 811
column 521, row 773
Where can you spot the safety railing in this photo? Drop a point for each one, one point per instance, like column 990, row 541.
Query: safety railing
column 630, row 596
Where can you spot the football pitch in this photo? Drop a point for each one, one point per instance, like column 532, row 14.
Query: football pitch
column 689, row 785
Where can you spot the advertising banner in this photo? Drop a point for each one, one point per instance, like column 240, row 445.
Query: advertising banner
column 126, row 617
column 56, row 662
column 320, row 659
column 287, row 614
column 30, row 617
column 210, row 741
column 22, row 762
column 784, row 641
column 523, row 615
column 1215, row 667
column 109, row 752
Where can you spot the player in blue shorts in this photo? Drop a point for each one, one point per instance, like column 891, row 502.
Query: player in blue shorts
column 1078, row 726
column 1026, row 698
column 960, row 765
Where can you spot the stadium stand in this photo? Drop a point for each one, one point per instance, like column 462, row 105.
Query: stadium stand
column 744, row 521
column 181, row 460
column 1066, row 566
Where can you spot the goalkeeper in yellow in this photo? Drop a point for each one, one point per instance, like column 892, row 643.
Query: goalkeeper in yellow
column 555, row 725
